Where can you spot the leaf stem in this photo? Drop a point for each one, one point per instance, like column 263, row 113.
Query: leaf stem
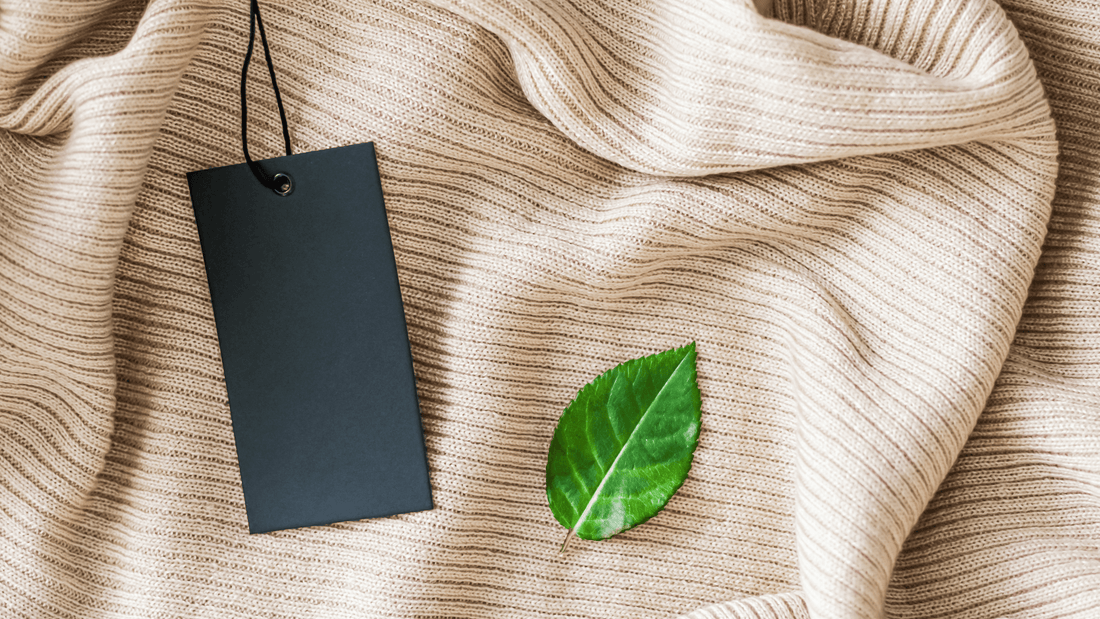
column 565, row 544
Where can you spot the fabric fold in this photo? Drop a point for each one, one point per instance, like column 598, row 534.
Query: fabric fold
column 778, row 95
column 78, row 134
column 779, row 606
column 718, row 88
column 844, row 207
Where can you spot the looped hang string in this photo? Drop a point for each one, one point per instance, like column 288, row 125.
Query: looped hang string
column 280, row 183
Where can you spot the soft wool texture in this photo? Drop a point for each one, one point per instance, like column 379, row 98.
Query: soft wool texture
column 855, row 207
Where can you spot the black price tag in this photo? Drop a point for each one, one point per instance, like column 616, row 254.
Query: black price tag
column 313, row 339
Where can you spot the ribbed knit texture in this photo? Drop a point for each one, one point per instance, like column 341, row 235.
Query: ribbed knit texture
column 846, row 206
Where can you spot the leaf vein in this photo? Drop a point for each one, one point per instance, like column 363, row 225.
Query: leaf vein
column 607, row 474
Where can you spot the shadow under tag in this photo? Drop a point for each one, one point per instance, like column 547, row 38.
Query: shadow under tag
column 313, row 340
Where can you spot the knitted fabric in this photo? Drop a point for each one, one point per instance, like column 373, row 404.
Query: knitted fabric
column 854, row 207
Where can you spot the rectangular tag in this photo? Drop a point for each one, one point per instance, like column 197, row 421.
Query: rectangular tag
column 313, row 340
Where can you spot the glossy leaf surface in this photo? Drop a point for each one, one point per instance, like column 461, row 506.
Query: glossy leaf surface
column 625, row 444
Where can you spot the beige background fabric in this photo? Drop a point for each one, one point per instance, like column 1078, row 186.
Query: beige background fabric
column 878, row 219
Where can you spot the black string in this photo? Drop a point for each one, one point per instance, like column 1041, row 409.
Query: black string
column 255, row 20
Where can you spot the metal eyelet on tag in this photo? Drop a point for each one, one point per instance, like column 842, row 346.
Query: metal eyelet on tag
column 283, row 184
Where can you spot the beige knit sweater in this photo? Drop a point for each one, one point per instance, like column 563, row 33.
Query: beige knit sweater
column 853, row 206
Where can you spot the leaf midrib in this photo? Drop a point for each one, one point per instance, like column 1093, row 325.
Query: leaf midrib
column 622, row 450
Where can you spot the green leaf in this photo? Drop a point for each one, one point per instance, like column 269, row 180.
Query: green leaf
column 624, row 445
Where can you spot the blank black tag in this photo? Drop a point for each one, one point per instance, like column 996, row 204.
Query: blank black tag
column 313, row 340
